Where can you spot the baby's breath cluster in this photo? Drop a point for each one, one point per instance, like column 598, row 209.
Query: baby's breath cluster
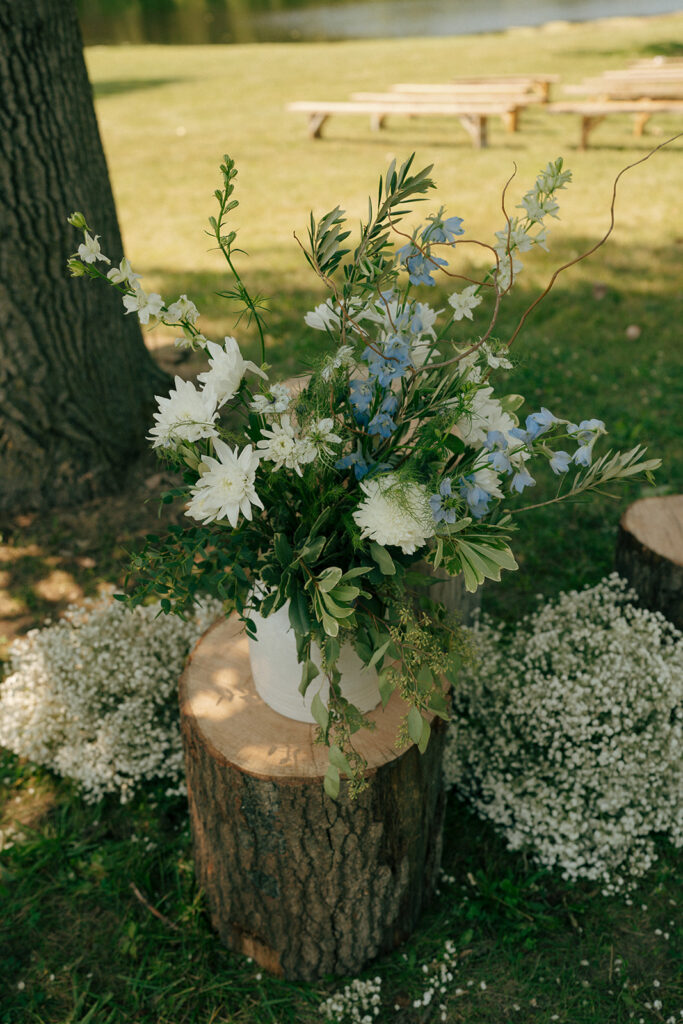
column 569, row 734
column 93, row 696
column 358, row 1002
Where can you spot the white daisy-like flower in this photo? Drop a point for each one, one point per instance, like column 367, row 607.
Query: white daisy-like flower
column 146, row 306
column 226, row 487
column 227, row 369
column 485, row 414
column 183, row 309
column 399, row 516
column 464, row 302
column 90, row 251
column 321, row 436
column 279, row 444
column 123, row 274
column 187, row 414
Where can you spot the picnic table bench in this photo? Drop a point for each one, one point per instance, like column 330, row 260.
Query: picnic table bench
column 473, row 115
column 592, row 112
column 513, row 102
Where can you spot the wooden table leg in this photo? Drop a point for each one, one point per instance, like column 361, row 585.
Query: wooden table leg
column 315, row 125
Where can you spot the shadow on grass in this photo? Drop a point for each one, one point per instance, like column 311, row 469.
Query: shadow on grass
column 115, row 87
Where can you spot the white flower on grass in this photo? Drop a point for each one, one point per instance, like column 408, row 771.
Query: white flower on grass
column 89, row 250
column 146, row 306
column 183, row 309
column 514, row 238
column 123, row 274
column 393, row 513
column 485, row 414
column 185, row 415
column 226, row 487
column 228, row 366
column 464, row 302
column 537, row 207
column 273, row 402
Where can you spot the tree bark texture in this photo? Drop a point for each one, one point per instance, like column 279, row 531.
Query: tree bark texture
column 305, row 885
column 649, row 554
column 76, row 381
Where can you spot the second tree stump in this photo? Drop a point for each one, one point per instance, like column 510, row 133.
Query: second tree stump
column 649, row 554
column 305, row 885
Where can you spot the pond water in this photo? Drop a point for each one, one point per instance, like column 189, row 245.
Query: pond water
column 240, row 21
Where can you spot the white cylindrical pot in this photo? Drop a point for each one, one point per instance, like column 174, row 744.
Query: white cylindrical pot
column 277, row 673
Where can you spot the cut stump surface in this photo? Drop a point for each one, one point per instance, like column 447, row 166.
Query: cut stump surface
column 649, row 553
column 305, row 885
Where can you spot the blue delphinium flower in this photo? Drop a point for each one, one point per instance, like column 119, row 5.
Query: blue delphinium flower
column 538, row 422
column 382, row 425
column 356, row 459
column 560, row 462
column 361, row 396
column 522, row 479
column 440, row 230
column 497, row 444
column 476, row 497
column 439, row 504
column 391, row 364
column 586, row 435
column 389, row 403
column 420, row 265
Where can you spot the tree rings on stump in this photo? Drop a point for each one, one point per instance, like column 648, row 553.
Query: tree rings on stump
column 305, row 885
column 650, row 554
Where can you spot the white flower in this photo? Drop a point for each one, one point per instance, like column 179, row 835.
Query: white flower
column 89, row 251
column 513, row 238
column 343, row 357
column 509, row 268
column 395, row 514
column 322, row 435
column 190, row 340
column 275, row 401
column 485, row 414
column 536, row 207
column 185, row 415
column 227, row 369
column 323, row 317
column 183, row 309
column 226, row 487
column 464, row 302
column 123, row 274
column 279, row 444
column 489, row 481
column 144, row 305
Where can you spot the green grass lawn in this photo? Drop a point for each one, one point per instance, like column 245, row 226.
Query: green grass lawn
column 78, row 946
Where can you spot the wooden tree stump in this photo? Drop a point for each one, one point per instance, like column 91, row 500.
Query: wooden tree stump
column 649, row 554
column 305, row 885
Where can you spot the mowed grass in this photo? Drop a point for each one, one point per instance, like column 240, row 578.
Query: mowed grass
column 77, row 942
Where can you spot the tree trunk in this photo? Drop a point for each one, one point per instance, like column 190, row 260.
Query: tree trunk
column 304, row 884
column 76, row 381
column 650, row 554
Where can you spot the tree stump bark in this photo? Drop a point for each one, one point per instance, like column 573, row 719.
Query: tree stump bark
column 649, row 554
column 305, row 885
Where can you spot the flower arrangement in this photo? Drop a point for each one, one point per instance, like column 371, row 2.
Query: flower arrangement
column 568, row 734
column 395, row 449
column 94, row 696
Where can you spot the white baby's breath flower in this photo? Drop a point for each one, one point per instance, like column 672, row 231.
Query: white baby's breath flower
column 147, row 306
column 183, row 309
column 226, row 486
column 89, row 250
column 228, row 366
column 395, row 513
column 464, row 302
column 186, row 414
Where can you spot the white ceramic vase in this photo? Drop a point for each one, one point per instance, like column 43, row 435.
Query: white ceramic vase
column 277, row 673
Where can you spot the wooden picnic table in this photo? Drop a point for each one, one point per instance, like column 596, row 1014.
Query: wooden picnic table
column 593, row 112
